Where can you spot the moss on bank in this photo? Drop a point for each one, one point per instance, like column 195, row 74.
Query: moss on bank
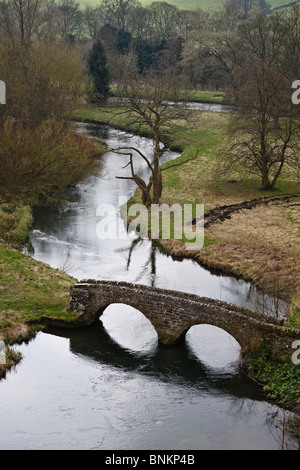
column 280, row 381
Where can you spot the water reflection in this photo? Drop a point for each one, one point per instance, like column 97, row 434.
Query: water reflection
column 65, row 237
column 112, row 386
column 175, row 365
column 81, row 390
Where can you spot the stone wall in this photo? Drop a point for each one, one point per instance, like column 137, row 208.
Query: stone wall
column 172, row 313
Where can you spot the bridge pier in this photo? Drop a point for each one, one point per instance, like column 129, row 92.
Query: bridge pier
column 173, row 313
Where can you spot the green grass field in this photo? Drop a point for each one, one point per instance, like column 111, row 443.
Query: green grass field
column 187, row 4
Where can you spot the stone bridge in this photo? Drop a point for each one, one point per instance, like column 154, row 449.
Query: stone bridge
column 172, row 313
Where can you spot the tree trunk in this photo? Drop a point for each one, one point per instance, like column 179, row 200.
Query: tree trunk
column 266, row 184
column 146, row 196
column 157, row 186
column 157, row 176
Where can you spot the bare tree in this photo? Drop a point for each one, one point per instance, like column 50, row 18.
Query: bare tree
column 118, row 13
column 151, row 103
column 21, row 20
column 266, row 129
column 164, row 20
column 71, row 19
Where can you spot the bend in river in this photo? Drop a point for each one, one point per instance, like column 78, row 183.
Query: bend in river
column 112, row 386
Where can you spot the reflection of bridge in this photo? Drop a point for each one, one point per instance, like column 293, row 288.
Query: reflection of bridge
column 172, row 313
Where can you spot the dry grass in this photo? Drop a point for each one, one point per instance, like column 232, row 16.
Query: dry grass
column 261, row 245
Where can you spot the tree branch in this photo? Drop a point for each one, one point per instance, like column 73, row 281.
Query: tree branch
column 178, row 164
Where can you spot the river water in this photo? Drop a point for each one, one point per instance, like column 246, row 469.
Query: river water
column 111, row 386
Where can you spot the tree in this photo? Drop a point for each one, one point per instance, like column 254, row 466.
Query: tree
column 38, row 164
column 147, row 104
column 22, row 20
column 123, row 41
column 164, row 20
column 248, row 8
column 43, row 82
column 290, row 60
column 266, row 129
column 212, row 46
column 147, row 54
column 71, row 19
column 264, row 36
column 119, row 13
column 93, row 20
column 98, row 68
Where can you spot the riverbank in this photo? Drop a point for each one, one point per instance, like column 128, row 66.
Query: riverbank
column 196, row 96
column 30, row 291
column 260, row 245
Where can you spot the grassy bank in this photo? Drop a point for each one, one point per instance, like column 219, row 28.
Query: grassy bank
column 54, row 157
column 206, row 96
column 199, row 96
column 15, row 221
column 29, row 290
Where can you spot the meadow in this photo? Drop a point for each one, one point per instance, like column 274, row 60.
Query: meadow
column 187, row 4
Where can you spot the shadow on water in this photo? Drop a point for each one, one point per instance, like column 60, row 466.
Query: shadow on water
column 176, row 365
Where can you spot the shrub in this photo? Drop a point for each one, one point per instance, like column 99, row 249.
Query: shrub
column 38, row 164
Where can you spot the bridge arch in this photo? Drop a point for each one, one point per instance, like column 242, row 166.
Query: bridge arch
column 129, row 327
column 221, row 324
column 101, row 307
column 213, row 346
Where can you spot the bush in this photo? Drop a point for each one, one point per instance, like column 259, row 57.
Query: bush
column 38, row 164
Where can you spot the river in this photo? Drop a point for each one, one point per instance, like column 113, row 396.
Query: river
column 111, row 386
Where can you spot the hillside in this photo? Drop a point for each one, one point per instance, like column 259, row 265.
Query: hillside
column 187, row 4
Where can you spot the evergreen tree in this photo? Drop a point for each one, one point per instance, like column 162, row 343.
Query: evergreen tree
column 99, row 70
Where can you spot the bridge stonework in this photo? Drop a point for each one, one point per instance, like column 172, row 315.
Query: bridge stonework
column 173, row 313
